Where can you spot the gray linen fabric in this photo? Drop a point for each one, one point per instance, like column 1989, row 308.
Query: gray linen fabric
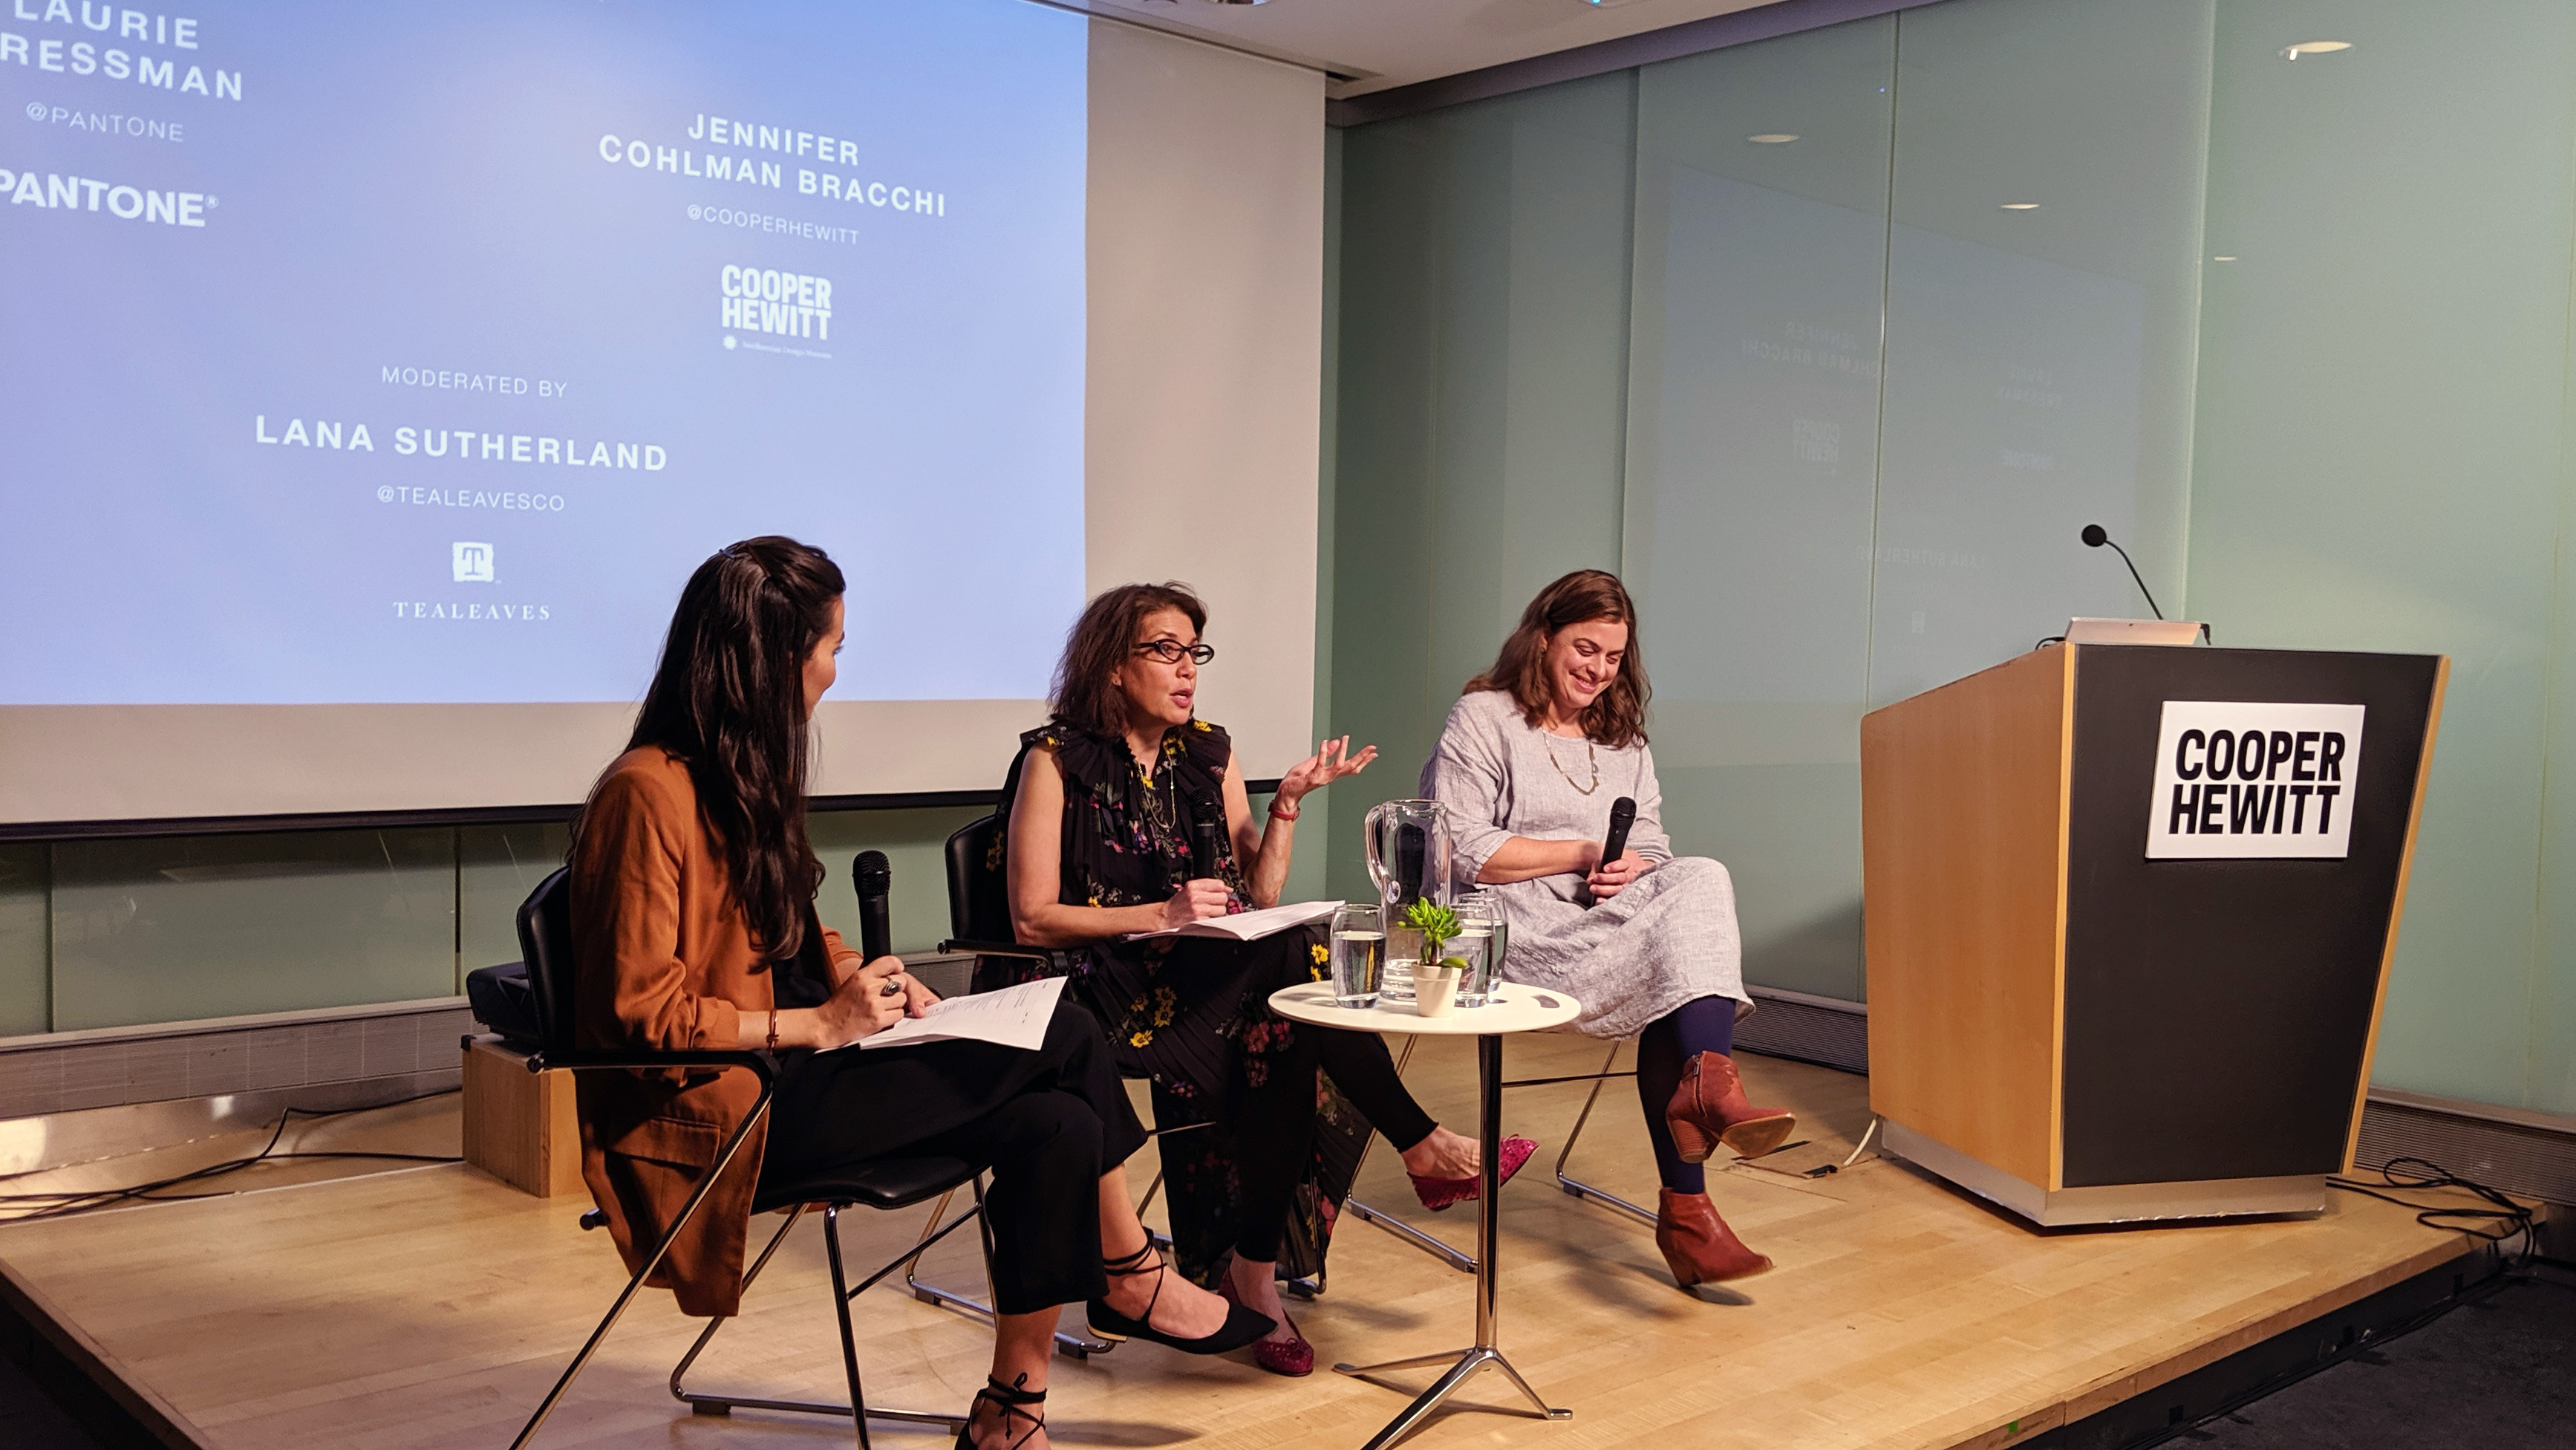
column 1665, row 940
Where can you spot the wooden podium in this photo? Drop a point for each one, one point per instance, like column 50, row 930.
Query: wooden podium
column 2129, row 914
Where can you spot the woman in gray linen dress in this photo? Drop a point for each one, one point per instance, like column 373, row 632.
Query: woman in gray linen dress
column 1533, row 755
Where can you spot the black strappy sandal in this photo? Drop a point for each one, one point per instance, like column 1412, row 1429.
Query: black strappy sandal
column 1011, row 1400
column 1242, row 1326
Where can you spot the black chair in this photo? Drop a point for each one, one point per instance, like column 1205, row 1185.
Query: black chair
column 545, row 938
column 979, row 912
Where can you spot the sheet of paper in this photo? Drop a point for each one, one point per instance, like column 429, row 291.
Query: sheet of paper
column 1251, row 925
column 1014, row 1017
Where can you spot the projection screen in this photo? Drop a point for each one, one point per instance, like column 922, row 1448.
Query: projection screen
column 382, row 371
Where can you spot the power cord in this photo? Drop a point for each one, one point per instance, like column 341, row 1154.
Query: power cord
column 64, row 1205
column 2500, row 1222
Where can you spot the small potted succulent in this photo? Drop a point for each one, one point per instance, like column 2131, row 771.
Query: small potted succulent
column 1435, row 981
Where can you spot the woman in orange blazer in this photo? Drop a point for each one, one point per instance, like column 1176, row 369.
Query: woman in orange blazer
column 693, row 927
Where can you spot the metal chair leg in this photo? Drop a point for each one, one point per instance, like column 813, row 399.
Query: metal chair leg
column 1071, row 1346
column 1577, row 1188
column 724, row 1159
column 704, row 1403
column 1405, row 1232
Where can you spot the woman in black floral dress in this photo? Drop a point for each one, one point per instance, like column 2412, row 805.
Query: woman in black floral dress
column 1097, row 813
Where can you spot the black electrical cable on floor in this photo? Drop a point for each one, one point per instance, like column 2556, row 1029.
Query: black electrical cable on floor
column 65, row 1204
column 2500, row 1222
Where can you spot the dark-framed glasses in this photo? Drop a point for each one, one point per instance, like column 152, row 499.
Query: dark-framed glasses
column 1172, row 651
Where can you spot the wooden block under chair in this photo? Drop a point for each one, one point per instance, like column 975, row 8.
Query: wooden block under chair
column 519, row 1125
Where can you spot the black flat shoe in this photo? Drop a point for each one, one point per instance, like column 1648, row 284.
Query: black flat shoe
column 1242, row 1326
column 1012, row 1401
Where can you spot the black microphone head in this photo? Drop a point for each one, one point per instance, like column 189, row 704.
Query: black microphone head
column 873, row 873
column 1207, row 808
column 1623, row 811
column 2095, row 536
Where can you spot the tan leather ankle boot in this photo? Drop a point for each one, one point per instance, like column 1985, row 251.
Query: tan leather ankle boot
column 1698, row 1246
column 1710, row 1108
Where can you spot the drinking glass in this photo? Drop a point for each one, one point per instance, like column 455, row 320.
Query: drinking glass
column 1403, row 951
column 1481, row 931
column 1358, row 955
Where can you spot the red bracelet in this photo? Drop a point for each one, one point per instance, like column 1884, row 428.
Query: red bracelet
column 1277, row 814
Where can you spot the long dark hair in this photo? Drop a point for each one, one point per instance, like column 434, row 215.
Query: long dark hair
column 1102, row 641
column 728, row 699
column 1617, row 716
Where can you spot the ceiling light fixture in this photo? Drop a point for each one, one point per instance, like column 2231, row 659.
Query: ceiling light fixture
column 1773, row 138
column 2021, row 206
column 2314, row 47
column 2222, row 259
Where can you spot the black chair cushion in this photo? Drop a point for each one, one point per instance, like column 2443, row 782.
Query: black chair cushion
column 503, row 1001
column 885, row 1183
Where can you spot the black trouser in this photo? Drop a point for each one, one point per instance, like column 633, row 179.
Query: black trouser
column 1046, row 1123
column 1276, row 1127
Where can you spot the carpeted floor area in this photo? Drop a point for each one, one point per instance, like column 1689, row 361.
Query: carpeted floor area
column 2495, row 1374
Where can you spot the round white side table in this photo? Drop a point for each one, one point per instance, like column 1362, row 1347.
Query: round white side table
column 1513, row 1008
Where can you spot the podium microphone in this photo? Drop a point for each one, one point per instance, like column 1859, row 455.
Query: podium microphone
column 1623, row 814
column 2095, row 537
column 874, row 878
column 1207, row 820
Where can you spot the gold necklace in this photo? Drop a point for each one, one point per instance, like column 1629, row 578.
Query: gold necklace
column 1548, row 737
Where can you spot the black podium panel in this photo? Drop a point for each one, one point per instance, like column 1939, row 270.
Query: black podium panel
column 2218, row 1012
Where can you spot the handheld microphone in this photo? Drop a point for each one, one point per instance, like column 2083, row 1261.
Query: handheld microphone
column 874, row 877
column 1623, row 814
column 1207, row 820
column 2095, row 536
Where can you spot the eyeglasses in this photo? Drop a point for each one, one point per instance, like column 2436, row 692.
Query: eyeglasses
column 1172, row 651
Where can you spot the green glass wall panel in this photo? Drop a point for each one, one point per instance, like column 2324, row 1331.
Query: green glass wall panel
column 174, row 929
column 913, row 841
column 496, row 868
column 1752, row 475
column 2038, row 359
column 2382, row 456
column 25, row 987
column 1479, row 404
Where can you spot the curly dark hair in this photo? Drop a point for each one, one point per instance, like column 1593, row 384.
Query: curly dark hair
column 1617, row 716
column 1102, row 640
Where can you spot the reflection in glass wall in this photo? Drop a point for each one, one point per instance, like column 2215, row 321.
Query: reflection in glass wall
column 2041, row 301
column 1480, row 404
column 23, row 988
column 175, row 929
column 1752, row 468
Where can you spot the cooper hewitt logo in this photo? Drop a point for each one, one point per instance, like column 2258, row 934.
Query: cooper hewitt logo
column 2252, row 780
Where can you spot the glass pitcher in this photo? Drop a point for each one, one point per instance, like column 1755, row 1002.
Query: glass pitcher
column 1409, row 860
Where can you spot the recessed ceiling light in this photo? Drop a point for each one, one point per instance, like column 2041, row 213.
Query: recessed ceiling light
column 2021, row 206
column 2314, row 47
column 2222, row 259
column 1773, row 138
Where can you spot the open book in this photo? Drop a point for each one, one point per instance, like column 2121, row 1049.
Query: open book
column 1014, row 1017
column 1250, row 925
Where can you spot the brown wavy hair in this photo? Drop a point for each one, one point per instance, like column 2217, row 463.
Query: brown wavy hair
column 1617, row 716
column 1104, row 639
column 728, row 699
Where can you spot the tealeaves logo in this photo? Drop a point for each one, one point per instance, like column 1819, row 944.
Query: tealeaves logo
column 787, row 304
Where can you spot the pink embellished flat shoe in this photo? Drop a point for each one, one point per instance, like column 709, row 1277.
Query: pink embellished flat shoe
column 1438, row 1193
column 1292, row 1356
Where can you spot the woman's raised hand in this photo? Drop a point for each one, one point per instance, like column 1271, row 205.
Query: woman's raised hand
column 861, row 1006
column 1330, row 762
column 1196, row 901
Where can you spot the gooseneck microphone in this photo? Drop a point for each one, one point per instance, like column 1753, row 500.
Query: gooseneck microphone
column 875, row 878
column 1207, row 821
column 2095, row 537
column 1623, row 814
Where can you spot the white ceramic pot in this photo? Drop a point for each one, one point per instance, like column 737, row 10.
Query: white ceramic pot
column 1435, row 990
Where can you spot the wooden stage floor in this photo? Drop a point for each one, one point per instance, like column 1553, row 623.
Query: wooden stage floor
column 431, row 1307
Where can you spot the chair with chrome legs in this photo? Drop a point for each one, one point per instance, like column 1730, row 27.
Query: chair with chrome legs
column 545, row 940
